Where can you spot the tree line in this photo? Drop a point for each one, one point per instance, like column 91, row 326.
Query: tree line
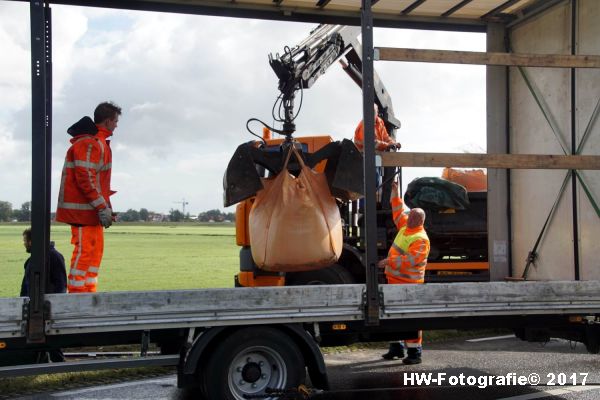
column 7, row 213
column 23, row 214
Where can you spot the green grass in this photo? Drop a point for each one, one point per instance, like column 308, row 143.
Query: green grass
column 139, row 256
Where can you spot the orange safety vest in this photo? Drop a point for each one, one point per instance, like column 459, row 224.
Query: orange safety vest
column 85, row 183
column 382, row 138
column 407, row 258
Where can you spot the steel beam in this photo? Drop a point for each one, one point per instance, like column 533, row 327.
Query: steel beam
column 370, row 220
column 278, row 11
column 497, row 135
column 40, row 167
column 574, row 191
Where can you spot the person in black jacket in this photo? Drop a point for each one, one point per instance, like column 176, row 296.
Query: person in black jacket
column 56, row 275
column 56, row 282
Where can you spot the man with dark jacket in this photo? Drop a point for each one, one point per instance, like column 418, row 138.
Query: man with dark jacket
column 56, row 275
column 56, row 282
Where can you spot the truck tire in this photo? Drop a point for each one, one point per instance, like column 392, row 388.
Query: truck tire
column 251, row 360
column 334, row 275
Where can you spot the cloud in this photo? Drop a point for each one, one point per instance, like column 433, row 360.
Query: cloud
column 187, row 86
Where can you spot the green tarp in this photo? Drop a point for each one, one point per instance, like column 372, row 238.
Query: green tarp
column 436, row 194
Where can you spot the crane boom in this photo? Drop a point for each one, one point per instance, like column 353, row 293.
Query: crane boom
column 299, row 67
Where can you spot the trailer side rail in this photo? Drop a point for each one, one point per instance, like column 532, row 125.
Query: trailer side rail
column 12, row 323
column 124, row 311
column 443, row 300
column 127, row 311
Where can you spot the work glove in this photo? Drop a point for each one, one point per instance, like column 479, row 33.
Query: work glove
column 105, row 216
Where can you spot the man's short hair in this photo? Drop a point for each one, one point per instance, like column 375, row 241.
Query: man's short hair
column 27, row 234
column 106, row 110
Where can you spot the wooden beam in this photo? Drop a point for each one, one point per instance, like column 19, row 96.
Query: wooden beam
column 502, row 161
column 480, row 58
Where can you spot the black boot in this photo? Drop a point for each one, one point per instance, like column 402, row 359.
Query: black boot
column 396, row 350
column 414, row 356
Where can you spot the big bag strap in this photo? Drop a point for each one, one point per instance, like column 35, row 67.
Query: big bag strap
column 298, row 157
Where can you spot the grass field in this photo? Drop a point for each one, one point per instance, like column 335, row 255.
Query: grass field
column 139, row 256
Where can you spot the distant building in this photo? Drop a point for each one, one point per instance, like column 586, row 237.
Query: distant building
column 157, row 217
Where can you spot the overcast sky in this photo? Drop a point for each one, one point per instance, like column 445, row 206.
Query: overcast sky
column 187, row 85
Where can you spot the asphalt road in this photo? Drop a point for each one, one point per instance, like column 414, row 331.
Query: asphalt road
column 451, row 370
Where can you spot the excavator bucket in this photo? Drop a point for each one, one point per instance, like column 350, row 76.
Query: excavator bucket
column 344, row 170
column 241, row 180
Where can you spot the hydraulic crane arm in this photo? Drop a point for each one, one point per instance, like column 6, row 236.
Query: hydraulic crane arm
column 299, row 67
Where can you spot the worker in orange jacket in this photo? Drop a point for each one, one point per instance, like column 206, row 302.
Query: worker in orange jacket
column 84, row 197
column 405, row 263
column 383, row 142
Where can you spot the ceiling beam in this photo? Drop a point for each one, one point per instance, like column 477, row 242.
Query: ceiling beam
column 456, row 8
column 414, row 5
column 499, row 9
column 322, row 3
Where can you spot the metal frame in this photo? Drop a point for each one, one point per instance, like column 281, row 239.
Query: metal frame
column 497, row 135
column 280, row 12
column 574, row 141
column 372, row 295
column 41, row 109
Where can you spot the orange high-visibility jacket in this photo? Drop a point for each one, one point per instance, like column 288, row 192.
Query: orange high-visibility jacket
column 85, row 183
column 382, row 138
column 407, row 258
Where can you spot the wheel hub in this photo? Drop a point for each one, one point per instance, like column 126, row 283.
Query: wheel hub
column 255, row 369
column 251, row 372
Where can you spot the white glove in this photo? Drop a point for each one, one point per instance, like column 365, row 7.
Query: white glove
column 105, row 216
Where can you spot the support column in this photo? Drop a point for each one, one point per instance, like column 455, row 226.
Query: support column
column 40, row 168
column 372, row 300
column 498, row 200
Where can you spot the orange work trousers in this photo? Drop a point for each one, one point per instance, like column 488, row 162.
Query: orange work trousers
column 414, row 343
column 88, row 242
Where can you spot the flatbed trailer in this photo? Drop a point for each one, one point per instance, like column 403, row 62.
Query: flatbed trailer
column 238, row 342
column 197, row 324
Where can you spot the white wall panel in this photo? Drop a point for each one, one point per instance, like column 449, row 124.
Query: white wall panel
column 588, row 94
column 534, row 191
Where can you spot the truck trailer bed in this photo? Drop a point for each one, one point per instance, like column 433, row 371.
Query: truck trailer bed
column 134, row 311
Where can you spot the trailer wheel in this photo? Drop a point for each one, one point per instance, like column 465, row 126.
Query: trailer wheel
column 251, row 360
column 334, row 275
